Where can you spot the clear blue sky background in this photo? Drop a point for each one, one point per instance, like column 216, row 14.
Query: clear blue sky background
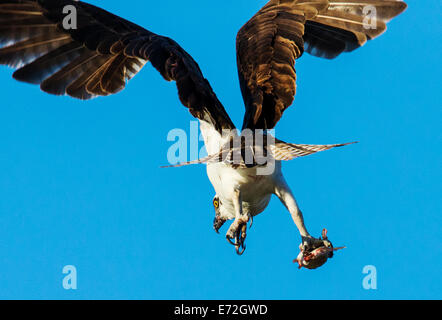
column 80, row 183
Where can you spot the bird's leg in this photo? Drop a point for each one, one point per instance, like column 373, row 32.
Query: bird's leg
column 284, row 193
column 238, row 229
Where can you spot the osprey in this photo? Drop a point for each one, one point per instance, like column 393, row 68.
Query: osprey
column 100, row 52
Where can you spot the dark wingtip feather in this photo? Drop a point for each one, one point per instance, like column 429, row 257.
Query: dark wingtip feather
column 48, row 87
column 23, row 76
column 346, row 144
column 402, row 7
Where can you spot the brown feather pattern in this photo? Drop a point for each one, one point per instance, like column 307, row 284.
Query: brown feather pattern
column 270, row 42
column 97, row 58
column 106, row 51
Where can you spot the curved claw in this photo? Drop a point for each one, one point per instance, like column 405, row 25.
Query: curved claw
column 243, row 247
column 239, row 234
column 230, row 241
column 251, row 221
column 310, row 243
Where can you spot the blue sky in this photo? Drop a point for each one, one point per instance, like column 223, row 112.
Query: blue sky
column 81, row 184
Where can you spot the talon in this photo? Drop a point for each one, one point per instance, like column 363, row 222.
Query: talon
column 251, row 221
column 243, row 246
column 230, row 241
column 238, row 231
column 309, row 243
column 315, row 252
column 243, row 233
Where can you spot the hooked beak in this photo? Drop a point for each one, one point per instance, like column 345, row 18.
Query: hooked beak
column 218, row 223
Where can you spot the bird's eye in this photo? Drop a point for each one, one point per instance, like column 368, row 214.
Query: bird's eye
column 216, row 203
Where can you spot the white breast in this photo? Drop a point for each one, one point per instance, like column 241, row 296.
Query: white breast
column 256, row 190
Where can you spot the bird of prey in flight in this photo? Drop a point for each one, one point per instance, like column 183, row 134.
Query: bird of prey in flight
column 100, row 53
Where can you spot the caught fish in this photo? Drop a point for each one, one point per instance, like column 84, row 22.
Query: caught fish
column 316, row 257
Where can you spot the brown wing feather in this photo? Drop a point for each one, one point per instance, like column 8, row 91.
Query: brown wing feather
column 270, row 42
column 97, row 58
column 344, row 25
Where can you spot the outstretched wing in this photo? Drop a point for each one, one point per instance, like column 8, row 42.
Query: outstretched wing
column 97, row 56
column 269, row 44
